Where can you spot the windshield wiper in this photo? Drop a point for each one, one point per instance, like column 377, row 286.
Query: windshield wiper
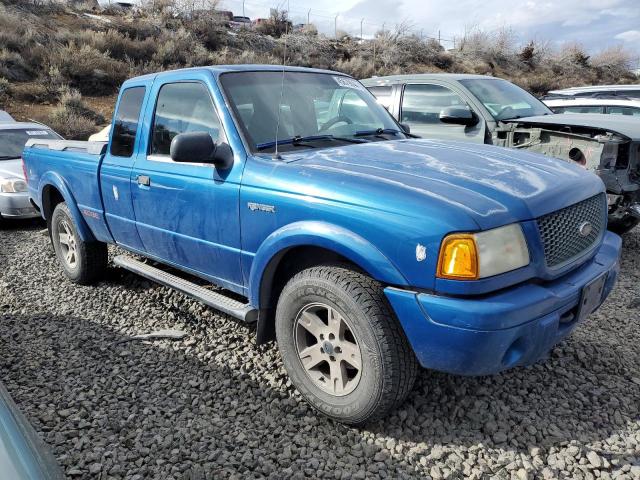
column 304, row 141
column 377, row 131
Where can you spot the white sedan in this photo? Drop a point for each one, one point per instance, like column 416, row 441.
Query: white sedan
column 14, row 198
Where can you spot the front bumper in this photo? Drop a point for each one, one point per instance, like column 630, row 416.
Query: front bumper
column 17, row 205
column 516, row 326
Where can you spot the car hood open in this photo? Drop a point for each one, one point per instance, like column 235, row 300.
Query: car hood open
column 620, row 124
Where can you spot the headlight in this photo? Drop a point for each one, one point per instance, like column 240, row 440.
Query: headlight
column 469, row 256
column 13, row 186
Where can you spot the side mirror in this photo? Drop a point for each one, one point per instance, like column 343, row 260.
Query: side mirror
column 458, row 116
column 199, row 147
column 405, row 128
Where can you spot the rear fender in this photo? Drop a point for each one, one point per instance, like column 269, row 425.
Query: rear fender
column 324, row 235
column 51, row 179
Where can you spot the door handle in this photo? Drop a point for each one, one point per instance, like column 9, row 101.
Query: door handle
column 144, row 180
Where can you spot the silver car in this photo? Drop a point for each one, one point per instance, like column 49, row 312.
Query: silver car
column 14, row 198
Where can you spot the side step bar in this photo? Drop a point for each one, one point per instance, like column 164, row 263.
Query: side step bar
column 230, row 306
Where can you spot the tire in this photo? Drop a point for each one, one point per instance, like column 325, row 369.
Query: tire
column 388, row 366
column 82, row 262
column 623, row 225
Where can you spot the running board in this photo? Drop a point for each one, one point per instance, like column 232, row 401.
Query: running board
column 216, row 300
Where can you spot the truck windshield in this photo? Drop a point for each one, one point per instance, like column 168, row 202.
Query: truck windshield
column 504, row 100
column 316, row 110
column 12, row 141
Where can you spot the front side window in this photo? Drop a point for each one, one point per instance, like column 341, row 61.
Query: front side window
column 12, row 141
column 305, row 110
column 422, row 103
column 577, row 109
column 504, row 100
column 631, row 111
column 126, row 122
column 182, row 108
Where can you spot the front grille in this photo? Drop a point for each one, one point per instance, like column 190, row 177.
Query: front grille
column 560, row 231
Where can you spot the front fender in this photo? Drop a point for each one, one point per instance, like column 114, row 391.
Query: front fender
column 56, row 181
column 325, row 235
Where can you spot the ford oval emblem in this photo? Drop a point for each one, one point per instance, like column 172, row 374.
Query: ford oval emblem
column 585, row 229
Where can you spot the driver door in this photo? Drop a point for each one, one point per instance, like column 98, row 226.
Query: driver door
column 420, row 109
column 187, row 213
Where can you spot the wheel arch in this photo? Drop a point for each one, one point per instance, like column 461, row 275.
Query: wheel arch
column 302, row 245
column 53, row 190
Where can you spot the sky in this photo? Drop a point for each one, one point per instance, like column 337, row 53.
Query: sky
column 594, row 23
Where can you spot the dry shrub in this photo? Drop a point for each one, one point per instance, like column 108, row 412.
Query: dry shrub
column 276, row 25
column 72, row 118
column 88, row 69
column 614, row 62
column 5, row 89
column 30, row 92
column 14, row 67
column 180, row 49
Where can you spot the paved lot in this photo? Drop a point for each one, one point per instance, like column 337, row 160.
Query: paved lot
column 216, row 406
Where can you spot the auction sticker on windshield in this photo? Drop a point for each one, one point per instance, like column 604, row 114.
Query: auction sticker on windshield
column 33, row 133
column 349, row 83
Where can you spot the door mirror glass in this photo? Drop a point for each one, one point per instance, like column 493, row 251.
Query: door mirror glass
column 458, row 115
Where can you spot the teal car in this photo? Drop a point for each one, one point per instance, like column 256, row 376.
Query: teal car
column 23, row 454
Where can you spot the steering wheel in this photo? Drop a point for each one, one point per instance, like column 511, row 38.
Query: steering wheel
column 340, row 118
column 508, row 108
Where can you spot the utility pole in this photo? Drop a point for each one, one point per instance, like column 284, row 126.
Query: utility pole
column 383, row 28
column 335, row 26
column 309, row 17
column 421, row 31
column 361, row 22
column 439, row 40
column 243, row 8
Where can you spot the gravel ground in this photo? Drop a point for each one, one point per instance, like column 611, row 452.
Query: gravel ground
column 214, row 405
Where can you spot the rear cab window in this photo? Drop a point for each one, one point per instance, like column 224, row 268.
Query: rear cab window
column 126, row 122
column 383, row 94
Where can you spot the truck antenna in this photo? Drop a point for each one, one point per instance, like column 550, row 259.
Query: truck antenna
column 284, row 65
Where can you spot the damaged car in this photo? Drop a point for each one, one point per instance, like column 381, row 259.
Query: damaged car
column 490, row 110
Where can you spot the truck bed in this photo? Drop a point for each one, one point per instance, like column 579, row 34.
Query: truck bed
column 74, row 167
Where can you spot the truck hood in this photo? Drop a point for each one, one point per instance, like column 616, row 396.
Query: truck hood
column 11, row 169
column 620, row 124
column 494, row 185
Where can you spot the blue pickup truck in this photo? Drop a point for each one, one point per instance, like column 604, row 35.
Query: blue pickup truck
column 289, row 197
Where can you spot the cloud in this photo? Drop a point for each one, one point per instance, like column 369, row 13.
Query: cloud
column 629, row 36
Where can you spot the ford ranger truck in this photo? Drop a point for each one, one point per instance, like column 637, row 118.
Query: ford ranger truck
column 292, row 198
column 482, row 109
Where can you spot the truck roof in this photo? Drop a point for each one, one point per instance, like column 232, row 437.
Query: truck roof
column 219, row 69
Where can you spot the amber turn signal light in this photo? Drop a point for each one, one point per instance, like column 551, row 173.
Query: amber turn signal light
column 458, row 258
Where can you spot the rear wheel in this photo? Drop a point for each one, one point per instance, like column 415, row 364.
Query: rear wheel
column 342, row 346
column 82, row 262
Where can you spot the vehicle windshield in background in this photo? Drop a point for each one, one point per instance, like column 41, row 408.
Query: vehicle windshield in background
column 316, row 110
column 12, row 141
column 504, row 100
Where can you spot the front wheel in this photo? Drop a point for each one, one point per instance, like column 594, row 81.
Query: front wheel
column 82, row 262
column 342, row 346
